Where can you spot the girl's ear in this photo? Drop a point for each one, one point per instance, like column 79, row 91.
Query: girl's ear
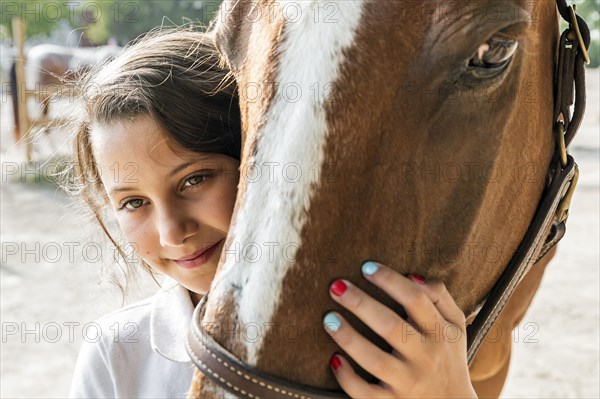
column 231, row 31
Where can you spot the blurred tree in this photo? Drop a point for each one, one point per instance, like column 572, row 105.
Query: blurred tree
column 590, row 11
column 4, row 34
column 126, row 19
column 101, row 20
column 41, row 17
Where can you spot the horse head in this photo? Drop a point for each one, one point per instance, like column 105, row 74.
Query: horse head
column 417, row 134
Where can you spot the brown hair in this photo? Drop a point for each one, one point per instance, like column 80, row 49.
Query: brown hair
column 171, row 75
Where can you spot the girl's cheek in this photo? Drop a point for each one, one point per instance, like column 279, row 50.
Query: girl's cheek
column 133, row 232
column 125, row 224
column 225, row 204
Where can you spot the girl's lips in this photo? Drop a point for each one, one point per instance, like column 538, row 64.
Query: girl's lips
column 199, row 257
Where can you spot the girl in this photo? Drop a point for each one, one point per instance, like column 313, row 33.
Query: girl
column 159, row 142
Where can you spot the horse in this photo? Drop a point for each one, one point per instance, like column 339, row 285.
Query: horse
column 49, row 66
column 421, row 135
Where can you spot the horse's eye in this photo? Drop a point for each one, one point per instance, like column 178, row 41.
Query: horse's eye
column 494, row 54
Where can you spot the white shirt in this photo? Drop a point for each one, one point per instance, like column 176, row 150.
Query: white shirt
column 138, row 351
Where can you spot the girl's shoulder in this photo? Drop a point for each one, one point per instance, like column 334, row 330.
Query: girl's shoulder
column 133, row 313
column 143, row 339
column 160, row 322
column 159, row 305
column 120, row 330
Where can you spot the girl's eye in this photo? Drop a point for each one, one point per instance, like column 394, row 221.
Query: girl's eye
column 492, row 57
column 195, row 180
column 133, row 204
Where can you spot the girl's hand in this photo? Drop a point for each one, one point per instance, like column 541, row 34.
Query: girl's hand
column 429, row 356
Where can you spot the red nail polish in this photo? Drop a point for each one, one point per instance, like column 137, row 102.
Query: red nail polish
column 417, row 279
column 335, row 362
column 338, row 287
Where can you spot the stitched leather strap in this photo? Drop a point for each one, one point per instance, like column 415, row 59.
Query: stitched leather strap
column 232, row 374
column 527, row 254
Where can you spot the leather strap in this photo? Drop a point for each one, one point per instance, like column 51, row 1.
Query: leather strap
column 530, row 250
column 546, row 229
column 550, row 218
column 233, row 375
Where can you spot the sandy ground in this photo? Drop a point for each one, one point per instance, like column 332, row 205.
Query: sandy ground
column 52, row 288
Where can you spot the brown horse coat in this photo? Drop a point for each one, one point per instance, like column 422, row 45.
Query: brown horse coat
column 427, row 162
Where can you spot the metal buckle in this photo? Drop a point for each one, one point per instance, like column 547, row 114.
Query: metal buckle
column 560, row 140
column 575, row 25
column 562, row 212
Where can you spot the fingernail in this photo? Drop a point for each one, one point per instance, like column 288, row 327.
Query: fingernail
column 335, row 362
column 332, row 322
column 417, row 279
column 338, row 287
column 369, row 268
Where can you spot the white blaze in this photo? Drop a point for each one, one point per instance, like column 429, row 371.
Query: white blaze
column 272, row 214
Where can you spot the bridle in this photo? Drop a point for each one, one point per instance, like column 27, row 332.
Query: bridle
column 548, row 226
column 549, row 222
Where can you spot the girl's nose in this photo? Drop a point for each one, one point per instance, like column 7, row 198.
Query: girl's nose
column 175, row 225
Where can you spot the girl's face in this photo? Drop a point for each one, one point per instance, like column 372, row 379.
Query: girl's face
column 174, row 207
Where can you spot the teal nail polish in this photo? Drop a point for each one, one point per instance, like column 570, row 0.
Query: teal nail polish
column 332, row 322
column 369, row 268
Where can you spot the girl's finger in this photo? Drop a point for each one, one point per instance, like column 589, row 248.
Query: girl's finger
column 367, row 355
column 352, row 383
column 443, row 301
column 382, row 320
column 416, row 302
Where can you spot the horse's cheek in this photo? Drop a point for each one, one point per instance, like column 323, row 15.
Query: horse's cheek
column 196, row 387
